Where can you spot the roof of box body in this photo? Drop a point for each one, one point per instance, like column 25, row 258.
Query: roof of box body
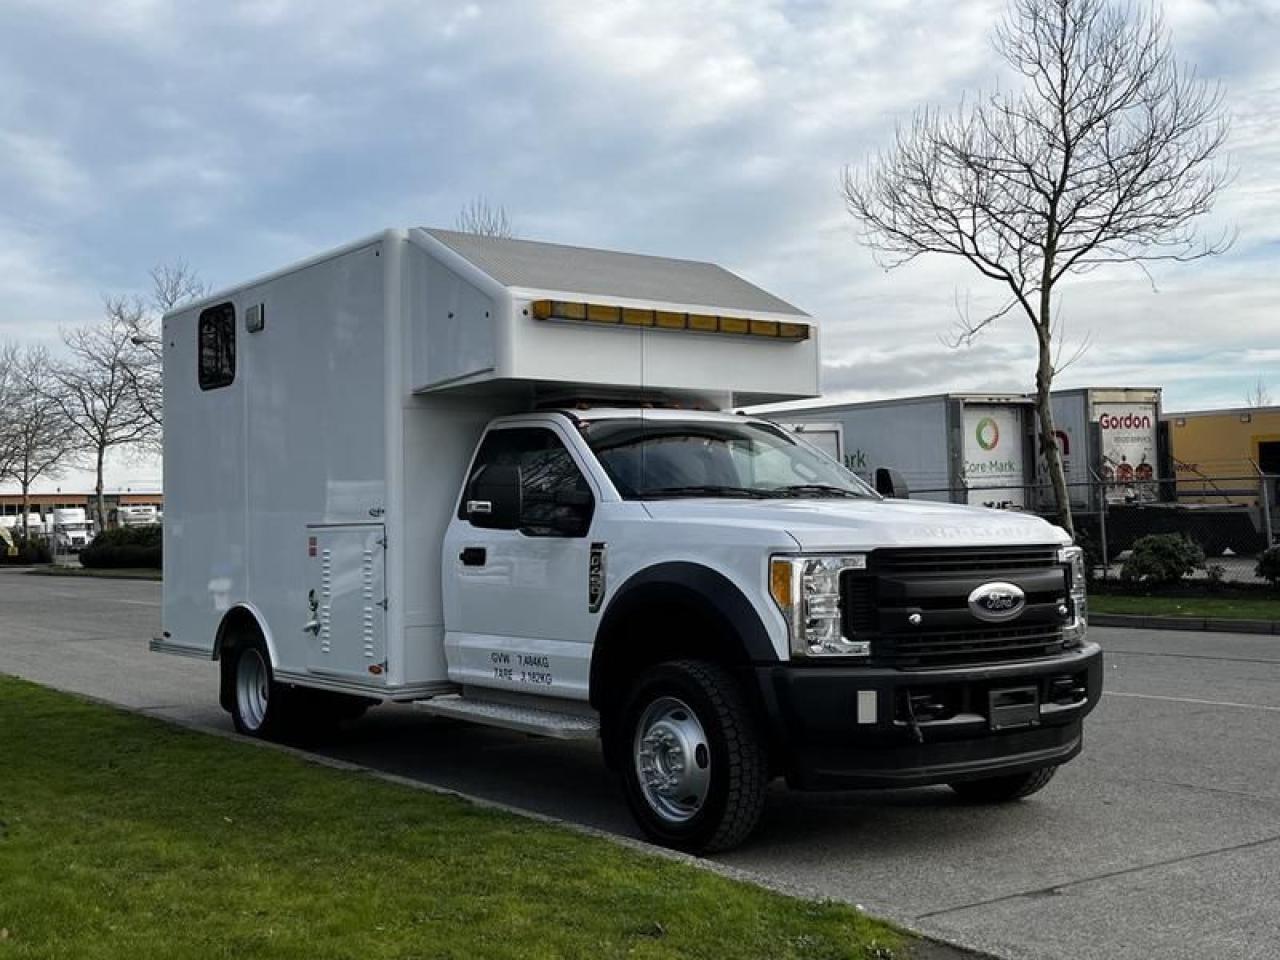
column 607, row 273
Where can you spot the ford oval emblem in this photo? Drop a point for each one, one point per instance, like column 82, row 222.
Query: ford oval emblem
column 997, row 602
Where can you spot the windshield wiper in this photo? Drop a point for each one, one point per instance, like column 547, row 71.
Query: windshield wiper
column 819, row 488
column 705, row 490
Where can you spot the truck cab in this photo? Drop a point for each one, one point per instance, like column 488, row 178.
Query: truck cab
column 505, row 481
column 865, row 652
column 71, row 529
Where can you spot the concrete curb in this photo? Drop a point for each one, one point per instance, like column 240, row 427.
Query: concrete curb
column 928, row 946
column 67, row 571
column 1210, row 624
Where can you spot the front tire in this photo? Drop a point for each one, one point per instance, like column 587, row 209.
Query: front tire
column 1004, row 789
column 695, row 770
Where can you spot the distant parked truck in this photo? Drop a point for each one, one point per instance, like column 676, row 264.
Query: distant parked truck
column 137, row 515
column 35, row 525
column 72, row 530
column 1111, row 441
column 826, row 436
column 952, row 447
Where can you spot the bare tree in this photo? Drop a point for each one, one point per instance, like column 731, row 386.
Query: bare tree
column 172, row 285
column 488, row 221
column 9, row 394
column 1258, row 395
column 1105, row 154
column 94, row 390
column 42, row 442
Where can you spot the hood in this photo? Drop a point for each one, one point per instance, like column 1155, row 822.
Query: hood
column 867, row 524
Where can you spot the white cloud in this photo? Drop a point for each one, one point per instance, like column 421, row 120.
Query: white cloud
column 242, row 135
column 41, row 165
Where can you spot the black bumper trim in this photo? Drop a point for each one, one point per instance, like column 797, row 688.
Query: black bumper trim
column 814, row 723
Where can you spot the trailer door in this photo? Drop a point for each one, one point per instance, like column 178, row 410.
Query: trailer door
column 995, row 463
column 348, row 602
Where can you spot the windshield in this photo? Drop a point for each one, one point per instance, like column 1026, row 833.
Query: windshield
column 659, row 458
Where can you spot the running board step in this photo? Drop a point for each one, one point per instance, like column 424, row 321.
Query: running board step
column 543, row 723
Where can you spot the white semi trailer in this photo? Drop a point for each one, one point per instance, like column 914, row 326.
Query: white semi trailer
column 494, row 478
column 1110, row 439
column 955, row 447
column 137, row 515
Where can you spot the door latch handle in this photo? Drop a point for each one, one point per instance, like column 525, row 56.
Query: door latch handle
column 312, row 627
column 473, row 556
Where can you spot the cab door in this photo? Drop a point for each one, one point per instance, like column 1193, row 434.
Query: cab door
column 517, row 606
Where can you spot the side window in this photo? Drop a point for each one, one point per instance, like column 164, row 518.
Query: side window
column 556, row 497
column 216, row 343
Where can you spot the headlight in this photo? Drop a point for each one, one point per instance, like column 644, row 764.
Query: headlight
column 1078, row 625
column 807, row 591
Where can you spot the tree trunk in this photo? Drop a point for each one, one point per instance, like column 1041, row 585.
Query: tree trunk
column 101, row 503
column 1048, row 438
column 26, row 511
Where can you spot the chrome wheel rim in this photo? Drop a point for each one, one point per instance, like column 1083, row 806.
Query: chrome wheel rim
column 672, row 760
column 253, row 688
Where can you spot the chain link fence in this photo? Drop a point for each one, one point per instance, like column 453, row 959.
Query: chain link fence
column 1232, row 518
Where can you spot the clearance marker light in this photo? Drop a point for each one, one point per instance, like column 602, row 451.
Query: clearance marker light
column 668, row 320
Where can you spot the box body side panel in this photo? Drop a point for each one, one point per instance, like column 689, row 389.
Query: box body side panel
column 298, row 438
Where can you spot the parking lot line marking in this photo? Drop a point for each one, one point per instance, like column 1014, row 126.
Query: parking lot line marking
column 1188, row 656
column 1108, row 875
column 1193, row 700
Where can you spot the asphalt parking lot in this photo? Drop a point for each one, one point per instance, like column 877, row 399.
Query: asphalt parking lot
column 1161, row 841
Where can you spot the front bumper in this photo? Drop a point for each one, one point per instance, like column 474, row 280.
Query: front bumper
column 839, row 727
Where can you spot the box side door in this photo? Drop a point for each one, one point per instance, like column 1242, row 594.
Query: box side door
column 347, row 600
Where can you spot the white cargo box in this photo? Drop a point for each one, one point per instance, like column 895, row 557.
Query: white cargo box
column 493, row 310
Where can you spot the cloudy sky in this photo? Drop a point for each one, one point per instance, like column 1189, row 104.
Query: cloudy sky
column 242, row 135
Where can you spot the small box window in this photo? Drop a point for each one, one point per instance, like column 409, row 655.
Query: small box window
column 216, row 342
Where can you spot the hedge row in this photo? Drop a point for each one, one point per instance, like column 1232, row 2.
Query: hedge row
column 36, row 551
column 124, row 547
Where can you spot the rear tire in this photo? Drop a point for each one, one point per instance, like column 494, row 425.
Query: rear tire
column 1004, row 789
column 257, row 701
column 693, row 764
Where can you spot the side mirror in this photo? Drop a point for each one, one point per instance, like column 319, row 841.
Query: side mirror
column 890, row 483
column 494, row 500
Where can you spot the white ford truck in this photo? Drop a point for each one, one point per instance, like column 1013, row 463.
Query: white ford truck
column 497, row 479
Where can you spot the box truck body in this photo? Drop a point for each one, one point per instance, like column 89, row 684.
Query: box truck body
column 501, row 479
column 958, row 448
column 1109, row 436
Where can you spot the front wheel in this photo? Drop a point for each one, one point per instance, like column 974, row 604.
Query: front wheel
column 1004, row 789
column 696, row 771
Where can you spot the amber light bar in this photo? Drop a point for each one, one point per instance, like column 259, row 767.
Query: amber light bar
column 667, row 320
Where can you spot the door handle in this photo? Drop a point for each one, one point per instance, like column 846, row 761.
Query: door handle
column 473, row 556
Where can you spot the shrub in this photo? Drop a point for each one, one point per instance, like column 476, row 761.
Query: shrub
column 148, row 536
column 125, row 547
column 1093, row 559
column 1268, row 567
column 1160, row 559
column 1216, row 575
column 35, row 550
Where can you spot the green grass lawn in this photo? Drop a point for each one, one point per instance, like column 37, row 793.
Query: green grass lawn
column 1221, row 608
column 124, row 837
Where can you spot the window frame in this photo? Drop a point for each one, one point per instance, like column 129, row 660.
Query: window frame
column 477, row 462
column 210, row 316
